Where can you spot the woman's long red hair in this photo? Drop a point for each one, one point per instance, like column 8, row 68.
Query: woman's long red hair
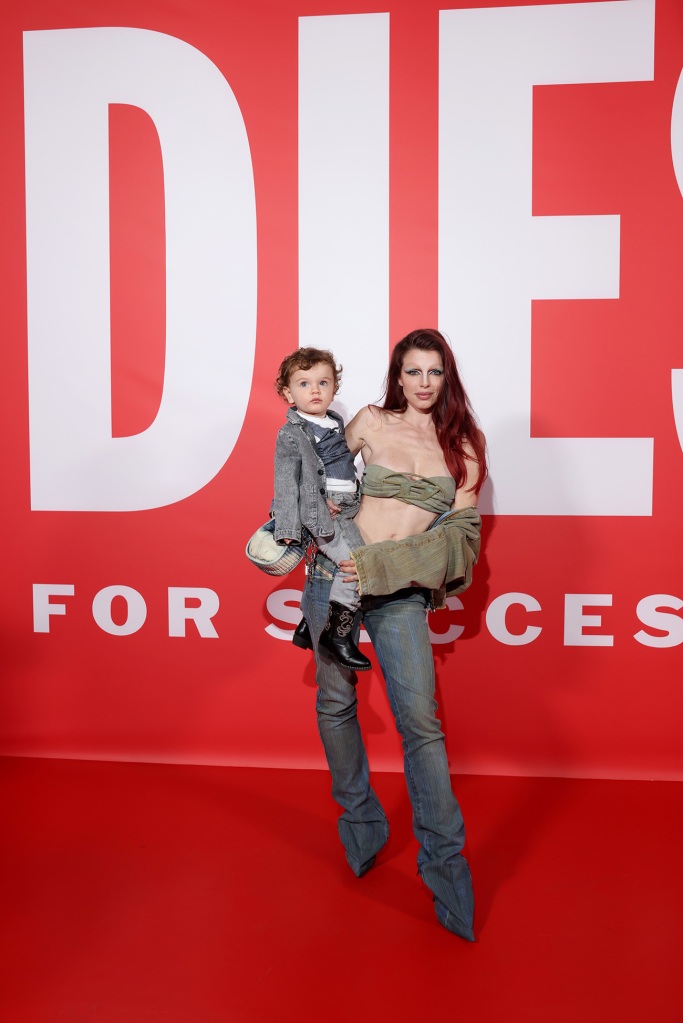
column 452, row 414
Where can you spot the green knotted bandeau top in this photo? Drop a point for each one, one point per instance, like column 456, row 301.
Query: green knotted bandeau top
column 432, row 493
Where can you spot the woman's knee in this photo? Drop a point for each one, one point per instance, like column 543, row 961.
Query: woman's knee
column 418, row 726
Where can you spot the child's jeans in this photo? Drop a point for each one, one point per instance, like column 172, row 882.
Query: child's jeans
column 338, row 548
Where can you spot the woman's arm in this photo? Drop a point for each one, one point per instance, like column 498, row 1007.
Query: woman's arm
column 464, row 496
column 358, row 430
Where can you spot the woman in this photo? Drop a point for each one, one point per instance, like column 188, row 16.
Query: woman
column 416, row 449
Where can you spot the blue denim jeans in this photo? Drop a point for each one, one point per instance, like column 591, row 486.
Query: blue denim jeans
column 398, row 629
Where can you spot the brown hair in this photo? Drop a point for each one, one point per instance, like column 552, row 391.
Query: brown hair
column 306, row 358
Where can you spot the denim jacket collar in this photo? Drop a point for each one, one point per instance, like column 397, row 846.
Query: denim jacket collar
column 294, row 417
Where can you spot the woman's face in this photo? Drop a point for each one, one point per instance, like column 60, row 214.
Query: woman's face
column 421, row 378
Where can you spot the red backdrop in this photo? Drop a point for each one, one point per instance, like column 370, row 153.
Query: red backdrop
column 195, row 189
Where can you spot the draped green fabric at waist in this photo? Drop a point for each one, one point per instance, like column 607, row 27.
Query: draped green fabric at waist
column 432, row 493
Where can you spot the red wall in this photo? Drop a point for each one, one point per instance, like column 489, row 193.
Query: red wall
column 175, row 220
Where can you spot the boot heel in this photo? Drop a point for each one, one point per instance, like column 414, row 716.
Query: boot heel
column 301, row 636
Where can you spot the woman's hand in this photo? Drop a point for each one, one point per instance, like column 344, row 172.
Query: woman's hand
column 349, row 569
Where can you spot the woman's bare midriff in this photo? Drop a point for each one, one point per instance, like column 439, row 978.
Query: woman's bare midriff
column 385, row 518
column 401, row 444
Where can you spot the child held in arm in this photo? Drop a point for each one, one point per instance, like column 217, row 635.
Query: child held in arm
column 316, row 488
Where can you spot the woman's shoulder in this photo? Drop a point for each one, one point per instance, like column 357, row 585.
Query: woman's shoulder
column 377, row 417
column 363, row 429
column 369, row 416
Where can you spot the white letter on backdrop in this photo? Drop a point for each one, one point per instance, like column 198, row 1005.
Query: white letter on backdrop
column 283, row 605
column 42, row 606
column 497, row 626
column 344, row 196
column 453, row 632
column 71, row 76
column 575, row 620
column 136, row 610
column 677, row 156
column 677, row 394
column 649, row 613
column 179, row 612
column 495, row 257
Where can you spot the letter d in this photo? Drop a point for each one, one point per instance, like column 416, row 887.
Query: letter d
column 71, row 76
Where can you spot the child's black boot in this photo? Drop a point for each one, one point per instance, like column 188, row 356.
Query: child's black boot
column 302, row 636
column 336, row 638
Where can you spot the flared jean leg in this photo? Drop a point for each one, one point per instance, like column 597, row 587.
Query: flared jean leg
column 363, row 827
column 398, row 629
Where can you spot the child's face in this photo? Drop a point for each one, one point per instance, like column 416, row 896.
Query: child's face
column 311, row 390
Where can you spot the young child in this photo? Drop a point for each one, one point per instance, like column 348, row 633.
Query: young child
column 314, row 474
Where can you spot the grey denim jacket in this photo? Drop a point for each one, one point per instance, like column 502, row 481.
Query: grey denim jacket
column 300, row 482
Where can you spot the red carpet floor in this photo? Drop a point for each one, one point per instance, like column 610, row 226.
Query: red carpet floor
column 139, row 893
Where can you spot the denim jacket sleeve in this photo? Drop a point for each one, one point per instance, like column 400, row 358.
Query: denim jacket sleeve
column 300, row 485
column 285, row 507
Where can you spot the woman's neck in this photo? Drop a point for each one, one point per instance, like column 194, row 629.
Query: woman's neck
column 418, row 419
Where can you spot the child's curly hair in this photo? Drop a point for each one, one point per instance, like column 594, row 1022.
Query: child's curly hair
column 306, row 358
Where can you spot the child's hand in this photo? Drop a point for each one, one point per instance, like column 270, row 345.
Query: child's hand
column 334, row 508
